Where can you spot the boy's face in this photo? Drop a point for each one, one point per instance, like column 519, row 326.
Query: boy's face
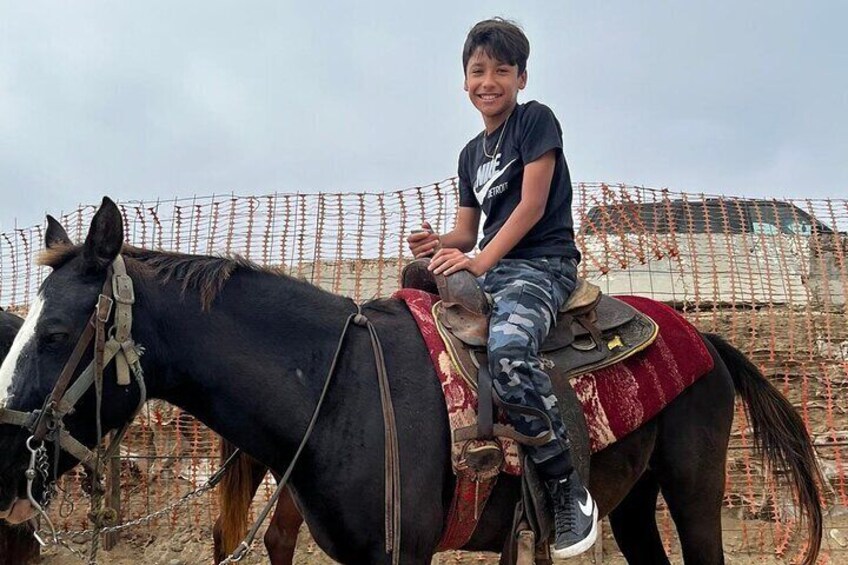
column 493, row 85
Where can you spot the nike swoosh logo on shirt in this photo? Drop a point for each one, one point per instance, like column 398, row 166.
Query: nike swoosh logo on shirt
column 588, row 508
column 498, row 174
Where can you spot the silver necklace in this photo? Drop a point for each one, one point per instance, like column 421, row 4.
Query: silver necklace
column 500, row 138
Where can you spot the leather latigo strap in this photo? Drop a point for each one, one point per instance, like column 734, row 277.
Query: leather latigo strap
column 485, row 404
column 392, row 448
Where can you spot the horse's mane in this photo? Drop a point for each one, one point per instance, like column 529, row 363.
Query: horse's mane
column 204, row 273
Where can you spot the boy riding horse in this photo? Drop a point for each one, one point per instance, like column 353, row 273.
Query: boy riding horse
column 515, row 172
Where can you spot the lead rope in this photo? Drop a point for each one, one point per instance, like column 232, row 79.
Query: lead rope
column 393, row 498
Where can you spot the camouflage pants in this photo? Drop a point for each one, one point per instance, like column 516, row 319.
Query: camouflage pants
column 526, row 294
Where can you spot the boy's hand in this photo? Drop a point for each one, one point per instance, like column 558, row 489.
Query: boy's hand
column 449, row 260
column 423, row 242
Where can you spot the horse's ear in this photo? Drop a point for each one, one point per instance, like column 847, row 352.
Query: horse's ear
column 55, row 236
column 105, row 236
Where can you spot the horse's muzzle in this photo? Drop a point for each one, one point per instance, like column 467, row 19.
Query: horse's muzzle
column 18, row 512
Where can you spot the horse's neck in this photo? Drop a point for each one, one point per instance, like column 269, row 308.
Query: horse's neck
column 255, row 361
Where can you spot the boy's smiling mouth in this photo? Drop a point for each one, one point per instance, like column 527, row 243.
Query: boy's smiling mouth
column 489, row 96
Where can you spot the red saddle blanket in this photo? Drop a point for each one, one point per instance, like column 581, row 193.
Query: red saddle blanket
column 616, row 400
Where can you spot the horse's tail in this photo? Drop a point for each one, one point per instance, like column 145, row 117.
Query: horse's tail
column 781, row 436
column 235, row 493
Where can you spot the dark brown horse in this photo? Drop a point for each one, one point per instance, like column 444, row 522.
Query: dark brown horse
column 247, row 351
column 244, row 479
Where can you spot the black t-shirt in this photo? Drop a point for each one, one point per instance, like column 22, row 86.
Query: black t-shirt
column 494, row 184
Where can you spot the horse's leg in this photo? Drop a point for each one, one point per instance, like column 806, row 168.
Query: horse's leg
column 694, row 500
column 690, row 463
column 634, row 524
column 281, row 536
column 237, row 489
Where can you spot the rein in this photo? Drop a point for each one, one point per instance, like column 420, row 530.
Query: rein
column 392, row 459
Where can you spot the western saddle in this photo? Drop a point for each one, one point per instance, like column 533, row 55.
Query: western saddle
column 592, row 331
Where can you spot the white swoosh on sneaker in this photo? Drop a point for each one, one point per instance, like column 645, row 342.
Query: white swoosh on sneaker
column 481, row 192
column 588, row 508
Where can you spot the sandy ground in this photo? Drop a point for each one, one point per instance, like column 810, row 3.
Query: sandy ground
column 742, row 540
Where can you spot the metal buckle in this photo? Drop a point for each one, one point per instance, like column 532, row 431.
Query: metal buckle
column 104, row 303
column 122, row 289
column 34, row 416
column 240, row 552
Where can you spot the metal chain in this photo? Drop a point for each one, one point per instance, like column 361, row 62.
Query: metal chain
column 62, row 538
column 200, row 491
column 76, row 552
column 67, row 504
column 42, row 465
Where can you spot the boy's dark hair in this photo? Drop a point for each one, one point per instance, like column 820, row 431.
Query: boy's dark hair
column 501, row 40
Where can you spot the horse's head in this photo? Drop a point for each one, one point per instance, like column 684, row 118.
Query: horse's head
column 57, row 320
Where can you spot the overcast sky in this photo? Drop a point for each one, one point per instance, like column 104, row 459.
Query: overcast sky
column 162, row 99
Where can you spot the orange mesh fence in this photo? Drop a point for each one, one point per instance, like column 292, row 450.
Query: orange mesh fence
column 769, row 275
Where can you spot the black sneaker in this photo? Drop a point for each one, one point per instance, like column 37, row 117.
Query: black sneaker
column 575, row 516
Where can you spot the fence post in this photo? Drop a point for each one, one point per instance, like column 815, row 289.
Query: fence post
column 113, row 495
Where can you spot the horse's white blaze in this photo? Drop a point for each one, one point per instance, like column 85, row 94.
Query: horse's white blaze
column 26, row 333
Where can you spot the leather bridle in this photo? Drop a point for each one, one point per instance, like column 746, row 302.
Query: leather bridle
column 112, row 344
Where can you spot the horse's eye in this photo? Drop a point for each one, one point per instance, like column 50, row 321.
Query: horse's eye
column 55, row 338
